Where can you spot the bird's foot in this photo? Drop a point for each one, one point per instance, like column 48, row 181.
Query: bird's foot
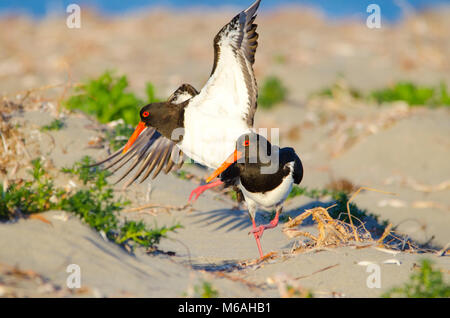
column 199, row 190
column 259, row 230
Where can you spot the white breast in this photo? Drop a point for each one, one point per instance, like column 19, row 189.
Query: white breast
column 270, row 198
column 210, row 139
column 216, row 117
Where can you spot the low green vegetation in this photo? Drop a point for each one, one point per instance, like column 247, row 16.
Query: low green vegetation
column 272, row 92
column 56, row 124
column 119, row 135
column 338, row 88
column 412, row 94
column 94, row 204
column 310, row 193
column 27, row 197
column 426, row 283
column 182, row 174
column 107, row 98
column 279, row 58
column 205, row 290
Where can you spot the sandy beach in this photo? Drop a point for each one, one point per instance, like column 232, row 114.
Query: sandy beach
column 390, row 147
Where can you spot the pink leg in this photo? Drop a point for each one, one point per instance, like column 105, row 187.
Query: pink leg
column 260, row 229
column 257, row 236
column 199, row 190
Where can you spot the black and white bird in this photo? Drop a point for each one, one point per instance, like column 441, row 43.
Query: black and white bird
column 211, row 120
column 264, row 173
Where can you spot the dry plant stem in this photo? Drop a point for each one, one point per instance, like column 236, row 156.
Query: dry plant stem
column 355, row 233
column 318, row 271
column 386, row 232
column 158, row 206
column 428, row 188
column 5, row 145
column 66, row 86
column 247, row 283
column 32, row 90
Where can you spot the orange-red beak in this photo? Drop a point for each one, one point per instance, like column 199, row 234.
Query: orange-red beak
column 140, row 127
column 230, row 160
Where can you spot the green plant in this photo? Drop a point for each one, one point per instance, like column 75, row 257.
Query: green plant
column 56, row 124
column 94, row 204
column 107, row 99
column 137, row 233
column 340, row 87
column 29, row 197
column 97, row 207
column 151, row 93
column 313, row 193
column 409, row 92
column 118, row 136
column 427, row 283
column 405, row 91
column 272, row 92
column 269, row 216
column 181, row 174
column 205, row 290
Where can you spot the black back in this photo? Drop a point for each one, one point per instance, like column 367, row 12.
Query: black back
column 254, row 181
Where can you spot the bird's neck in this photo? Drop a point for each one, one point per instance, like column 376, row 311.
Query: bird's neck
column 169, row 121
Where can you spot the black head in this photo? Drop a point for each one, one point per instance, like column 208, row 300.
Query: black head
column 150, row 113
column 253, row 147
column 165, row 117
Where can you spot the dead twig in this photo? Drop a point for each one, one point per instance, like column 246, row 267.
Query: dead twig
column 318, row 271
column 166, row 208
column 350, row 200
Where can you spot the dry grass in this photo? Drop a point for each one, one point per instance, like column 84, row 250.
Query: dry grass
column 331, row 232
column 13, row 154
column 336, row 233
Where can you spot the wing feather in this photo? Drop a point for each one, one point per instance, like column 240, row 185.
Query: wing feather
column 240, row 37
column 151, row 152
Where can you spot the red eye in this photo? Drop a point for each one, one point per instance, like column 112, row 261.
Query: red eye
column 145, row 114
column 246, row 143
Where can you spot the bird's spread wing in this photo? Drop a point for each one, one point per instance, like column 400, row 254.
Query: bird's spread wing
column 234, row 54
column 151, row 152
column 182, row 94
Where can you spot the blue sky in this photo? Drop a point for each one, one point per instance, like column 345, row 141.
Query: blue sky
column 332, row 8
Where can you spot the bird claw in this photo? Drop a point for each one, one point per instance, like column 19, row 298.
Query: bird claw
column 200, row 189
column 197, row 192
column 258, row 231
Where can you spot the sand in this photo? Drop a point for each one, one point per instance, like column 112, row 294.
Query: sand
column 392, row 148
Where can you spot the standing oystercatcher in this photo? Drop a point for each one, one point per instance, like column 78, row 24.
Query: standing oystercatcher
column 211, row 120
column 249, row 168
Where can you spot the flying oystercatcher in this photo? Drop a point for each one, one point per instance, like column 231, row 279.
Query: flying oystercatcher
column 264, row 173
column 202, row 125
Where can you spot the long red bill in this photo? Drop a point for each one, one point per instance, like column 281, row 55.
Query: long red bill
column 140, row 127
column 230, row 160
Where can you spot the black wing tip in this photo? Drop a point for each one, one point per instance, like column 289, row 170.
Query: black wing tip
column 251, row 10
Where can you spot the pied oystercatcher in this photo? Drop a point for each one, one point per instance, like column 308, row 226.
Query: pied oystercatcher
column 248, row 168
column 210, row 120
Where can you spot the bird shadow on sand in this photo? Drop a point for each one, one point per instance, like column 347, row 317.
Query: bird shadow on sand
column 238, row 219
column 228, row 219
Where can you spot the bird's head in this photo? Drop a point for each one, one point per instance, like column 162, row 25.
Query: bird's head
column 148, row 118
column 250, row 148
